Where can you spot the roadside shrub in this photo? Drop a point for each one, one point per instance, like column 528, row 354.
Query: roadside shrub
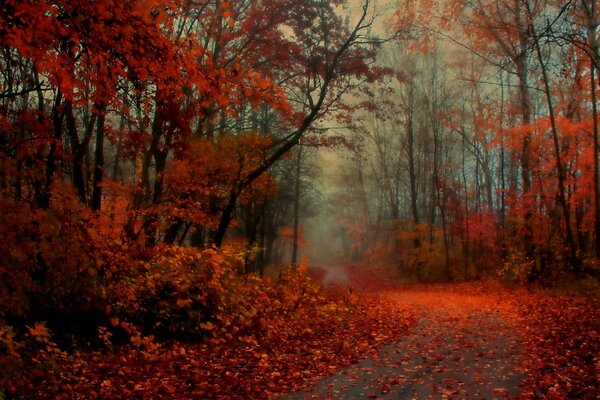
column 46, row 271
column 177, row 292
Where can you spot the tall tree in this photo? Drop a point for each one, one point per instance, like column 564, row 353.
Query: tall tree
column 334, row 58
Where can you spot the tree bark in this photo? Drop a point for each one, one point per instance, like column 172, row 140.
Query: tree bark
column 560, row 170
column 296, row 207
column 596, row 166
column 98, row 159
column 43, row 192
column 78, row 153
column 316, row 105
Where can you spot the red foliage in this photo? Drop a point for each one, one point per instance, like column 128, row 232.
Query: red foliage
column 562, row 341
column 262, row 339
column 200, row 183
column 559, row 335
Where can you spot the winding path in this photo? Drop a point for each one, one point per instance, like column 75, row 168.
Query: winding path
column 330, row 275
column 461, row 348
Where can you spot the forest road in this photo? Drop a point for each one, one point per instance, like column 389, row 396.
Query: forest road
column 461, row 348
column 329, row 274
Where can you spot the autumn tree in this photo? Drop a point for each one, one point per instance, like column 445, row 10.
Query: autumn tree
column 526, row 123
column 332, row 58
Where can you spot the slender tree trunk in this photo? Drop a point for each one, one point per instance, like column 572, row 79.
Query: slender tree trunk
column 90, row 126
column 372, row 233
column 78, row 153
column 412, row 175
column 115, row 170
column 570, row 242
column 296, row 207
column 173, row 230
column 98, row 160
column 466, row 254
column 43, row 192
column 261, row 233
column 40, row 94
column 596, row 167
column 520, row 62
column 226, row 217
column 524, row 160
column 503, row 187
column 151, row 221
column 446, row 242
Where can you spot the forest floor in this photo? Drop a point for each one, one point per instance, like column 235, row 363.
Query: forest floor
column 460, row 347
column 475, row 340
column 363, row 337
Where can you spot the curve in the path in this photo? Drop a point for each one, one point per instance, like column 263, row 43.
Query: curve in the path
column 458, row 350
column 329, row 274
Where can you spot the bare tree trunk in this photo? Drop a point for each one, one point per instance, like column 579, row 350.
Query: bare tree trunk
column 412, row 176
column 43, row 191
column 566, row 211
column 520, row 62
column 502, row 177
column 296, row 206
column 596, row 167
column 446, row 242
column 466, row 254
column 226, row 217
column 98, row 159
column 78, row 152
column 524, row 160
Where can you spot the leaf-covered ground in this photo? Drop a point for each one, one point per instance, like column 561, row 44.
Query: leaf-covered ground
column 477, row 340
column 252, row 370
column 459, row 348
column 362, row 338
column 290, row 334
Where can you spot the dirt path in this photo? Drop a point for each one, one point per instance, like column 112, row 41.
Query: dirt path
column 461, row 348
column 330, row 274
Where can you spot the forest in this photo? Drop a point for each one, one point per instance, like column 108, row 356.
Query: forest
column 251, row 199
